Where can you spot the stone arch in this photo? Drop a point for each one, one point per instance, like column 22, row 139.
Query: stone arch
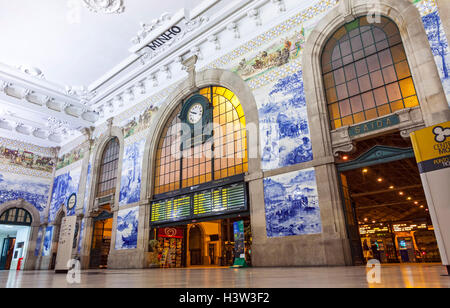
column 98, row 153
column 22, row 204
column 204, row 78
column 202, row 242
column 433, row 103
column 30, row 259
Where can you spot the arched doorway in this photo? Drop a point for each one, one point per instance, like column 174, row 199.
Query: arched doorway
column 15, row 228
column 199, row 179
column 195, row 245
column 367, row 81
column 103, row 219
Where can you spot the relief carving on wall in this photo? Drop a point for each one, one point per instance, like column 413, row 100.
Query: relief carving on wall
column 105, row 6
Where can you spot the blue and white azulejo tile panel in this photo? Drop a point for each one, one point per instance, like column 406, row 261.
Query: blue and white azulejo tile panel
column 292, row 204
column 130, row 184
column 34, row 190
column 127, row 229
column 439, row 47
column 47, row 241
column 284, row 127
column 37, row 250
column 64, row 185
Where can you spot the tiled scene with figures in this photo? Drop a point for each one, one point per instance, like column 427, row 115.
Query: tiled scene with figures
column 221, row 134
column 292, row 204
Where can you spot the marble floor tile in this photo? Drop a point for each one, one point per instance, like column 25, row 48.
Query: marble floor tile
column 393, row 276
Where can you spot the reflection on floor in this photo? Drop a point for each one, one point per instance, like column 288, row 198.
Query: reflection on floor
column 401, row 276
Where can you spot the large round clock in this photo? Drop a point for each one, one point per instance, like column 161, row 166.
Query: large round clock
column 195, row 113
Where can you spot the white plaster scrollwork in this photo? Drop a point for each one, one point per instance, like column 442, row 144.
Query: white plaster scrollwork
column 256, row 16
column 154, row 79
column 214, row 39
column 105, row 6
column 146, row 29
column 281, row 5
column 4, row 86
column 233, row 27
column 166, row 70
column 119, row 99
column 141, row 87
column 26, row 94
column 32, row 71
column 187, row 27
column 111, row 106
column 196, row 51
column 101, row 112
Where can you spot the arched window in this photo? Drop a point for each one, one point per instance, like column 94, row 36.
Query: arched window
column 16, row 216
column 366, row 73
column 222, row 154
column 108, row 169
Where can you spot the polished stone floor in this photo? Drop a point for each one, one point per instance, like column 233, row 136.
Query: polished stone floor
column 396, row 276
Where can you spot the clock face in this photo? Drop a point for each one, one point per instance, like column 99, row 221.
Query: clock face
column 195, row 113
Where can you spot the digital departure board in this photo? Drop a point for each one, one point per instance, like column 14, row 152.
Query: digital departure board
column 200, row 204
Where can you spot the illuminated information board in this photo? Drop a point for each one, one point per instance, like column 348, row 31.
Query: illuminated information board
column 205, row 203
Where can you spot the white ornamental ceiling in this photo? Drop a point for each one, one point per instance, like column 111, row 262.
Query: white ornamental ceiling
column 53, row 50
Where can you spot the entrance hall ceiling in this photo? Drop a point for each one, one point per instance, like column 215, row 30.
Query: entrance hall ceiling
column 52, row 50
column 70, row 65
column 71, row 42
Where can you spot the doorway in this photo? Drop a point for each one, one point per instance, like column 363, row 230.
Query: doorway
column 101, row 241
column 209, row 243
column 14, row 237
column 387, row 213
column 195, row 245
column 7, row 253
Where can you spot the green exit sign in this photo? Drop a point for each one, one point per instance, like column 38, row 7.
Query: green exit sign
column 374, row 125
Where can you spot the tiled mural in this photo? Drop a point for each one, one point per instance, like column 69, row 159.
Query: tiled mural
column 63, row 186
column 127, row 229
column 25, row 159
column 130, row 184
column 292, row 205
column 284, row 129
column 47, row 241
column 277, row 54
column 33, row 190
column 439, row 47
column 71, row 157
column 37, row 250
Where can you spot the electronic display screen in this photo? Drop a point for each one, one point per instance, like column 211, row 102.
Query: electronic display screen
column 200, row 204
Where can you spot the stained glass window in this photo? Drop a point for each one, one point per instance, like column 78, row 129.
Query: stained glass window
column 108, row 169
column 223, row 155
column 366, row 73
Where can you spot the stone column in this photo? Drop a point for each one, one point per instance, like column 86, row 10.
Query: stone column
column 444, row 12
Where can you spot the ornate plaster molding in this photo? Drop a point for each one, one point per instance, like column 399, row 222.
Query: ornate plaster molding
column 105, row 6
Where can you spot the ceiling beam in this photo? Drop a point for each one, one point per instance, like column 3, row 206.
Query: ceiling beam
column 386, row 205
column 385, row 191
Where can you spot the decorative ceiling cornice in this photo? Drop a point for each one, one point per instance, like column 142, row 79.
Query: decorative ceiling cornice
column 105, row 6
